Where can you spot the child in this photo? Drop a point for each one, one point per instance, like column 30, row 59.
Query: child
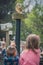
column 11, row 58
column 31, row 56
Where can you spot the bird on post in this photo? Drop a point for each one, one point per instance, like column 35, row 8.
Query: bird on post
column 19, row 8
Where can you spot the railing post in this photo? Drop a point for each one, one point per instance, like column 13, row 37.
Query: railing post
column 18, row 23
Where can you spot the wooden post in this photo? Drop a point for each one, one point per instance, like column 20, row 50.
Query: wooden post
column 7, row 38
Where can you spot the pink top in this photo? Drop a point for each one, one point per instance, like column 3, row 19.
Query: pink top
column 28, row 57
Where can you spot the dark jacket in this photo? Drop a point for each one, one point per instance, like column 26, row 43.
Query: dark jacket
column 11, row 60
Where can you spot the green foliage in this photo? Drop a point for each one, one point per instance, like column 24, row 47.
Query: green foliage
column 19, row 1
column 34, row 22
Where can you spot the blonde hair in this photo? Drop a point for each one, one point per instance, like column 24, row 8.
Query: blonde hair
column 33, row 41
column 11, row 51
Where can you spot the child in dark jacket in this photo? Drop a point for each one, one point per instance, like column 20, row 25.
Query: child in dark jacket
column 11, row 58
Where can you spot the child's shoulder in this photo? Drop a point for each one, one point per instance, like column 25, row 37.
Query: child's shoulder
column 24, row 51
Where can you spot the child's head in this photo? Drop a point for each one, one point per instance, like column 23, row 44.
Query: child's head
column 33, row 41
column 11, row 51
